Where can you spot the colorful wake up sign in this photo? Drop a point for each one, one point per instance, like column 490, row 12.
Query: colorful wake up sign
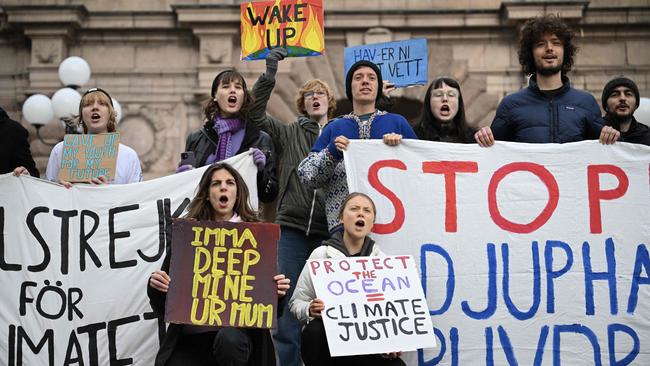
column 296, row 25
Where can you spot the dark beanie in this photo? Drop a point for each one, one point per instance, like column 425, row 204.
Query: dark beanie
column 356, row 65
column 615, row 83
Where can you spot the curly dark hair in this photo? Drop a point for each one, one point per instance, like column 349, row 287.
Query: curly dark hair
column 429, row 128
column 212, row 107
column 534, row 29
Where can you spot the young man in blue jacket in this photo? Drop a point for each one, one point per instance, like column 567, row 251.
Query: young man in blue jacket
column 549, row 110
column 323, row 168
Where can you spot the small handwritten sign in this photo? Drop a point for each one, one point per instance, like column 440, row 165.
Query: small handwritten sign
column 403, row 63
column 85, row 157
column 372, row 304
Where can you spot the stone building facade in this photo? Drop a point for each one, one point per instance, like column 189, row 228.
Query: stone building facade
column 158, row 57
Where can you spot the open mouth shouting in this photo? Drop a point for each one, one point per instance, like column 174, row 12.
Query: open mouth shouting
column 232, row 101
column 445, row 110
column 95, row 117
column 223, row 201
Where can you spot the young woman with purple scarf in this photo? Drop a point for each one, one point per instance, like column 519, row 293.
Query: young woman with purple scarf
column 227, row 132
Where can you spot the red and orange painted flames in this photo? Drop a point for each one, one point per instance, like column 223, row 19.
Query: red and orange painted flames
column 298, row 25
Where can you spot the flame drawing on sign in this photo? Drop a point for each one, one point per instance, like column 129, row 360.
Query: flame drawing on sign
column 301, row 38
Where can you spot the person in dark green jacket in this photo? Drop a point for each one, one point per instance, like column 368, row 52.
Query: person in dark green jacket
column 300, row 211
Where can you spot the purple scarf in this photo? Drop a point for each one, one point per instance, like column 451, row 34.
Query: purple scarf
column 225, row 128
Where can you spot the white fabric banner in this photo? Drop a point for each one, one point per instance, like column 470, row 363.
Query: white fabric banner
column 529, row 254
column 74, row 265
column 372, row 305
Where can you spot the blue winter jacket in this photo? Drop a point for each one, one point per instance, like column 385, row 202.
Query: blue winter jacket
column 527, row 116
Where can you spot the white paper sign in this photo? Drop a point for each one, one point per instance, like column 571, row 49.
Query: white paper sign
column 74, row 266
column 372, row 304
column 530, row 254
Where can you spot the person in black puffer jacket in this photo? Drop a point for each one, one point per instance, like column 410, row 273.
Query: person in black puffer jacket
column 549, row 110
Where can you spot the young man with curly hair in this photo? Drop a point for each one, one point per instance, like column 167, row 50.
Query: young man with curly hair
column 549, row 110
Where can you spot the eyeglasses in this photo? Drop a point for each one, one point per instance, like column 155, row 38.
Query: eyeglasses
column 310, row 95
column 450, row 93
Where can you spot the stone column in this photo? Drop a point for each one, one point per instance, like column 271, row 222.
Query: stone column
column 51, row 29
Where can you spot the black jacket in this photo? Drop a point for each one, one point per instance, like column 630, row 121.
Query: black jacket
column 298, row 207
column 204, row 142
column 638, row 133
column 263, row 353
column 14, row 146
column 527, row 116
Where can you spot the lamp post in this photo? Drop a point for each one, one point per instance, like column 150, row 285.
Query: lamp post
column 39, row 110
column 642, row 114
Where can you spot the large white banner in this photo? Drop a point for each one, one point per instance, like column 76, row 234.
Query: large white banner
column 529, row 254
column 74, row 265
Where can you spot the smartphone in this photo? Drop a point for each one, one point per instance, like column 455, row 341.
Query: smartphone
column 188, row 158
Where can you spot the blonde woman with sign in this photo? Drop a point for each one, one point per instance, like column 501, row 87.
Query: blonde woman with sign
column 357, row 214
column 97, row 116
column 222, row 195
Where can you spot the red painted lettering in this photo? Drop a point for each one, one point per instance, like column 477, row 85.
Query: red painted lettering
column 449, row 169
column 596, row 194
column 553, row 197
column 373, row 179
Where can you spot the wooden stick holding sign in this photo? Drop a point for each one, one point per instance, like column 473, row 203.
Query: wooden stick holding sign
column 223, row 274
column 372, row 305
column 297, row 25
column 85, row 157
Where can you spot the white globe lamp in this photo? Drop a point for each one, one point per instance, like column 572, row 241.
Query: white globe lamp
column 66, row 103
column 642, row 114
column 38, row 110
column 118, row 110
column 75, row 71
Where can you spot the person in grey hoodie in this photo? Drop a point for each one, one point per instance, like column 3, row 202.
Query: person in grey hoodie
column 300, row 211
column 357, row 216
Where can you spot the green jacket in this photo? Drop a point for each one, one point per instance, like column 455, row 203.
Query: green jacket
column 298, row 207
